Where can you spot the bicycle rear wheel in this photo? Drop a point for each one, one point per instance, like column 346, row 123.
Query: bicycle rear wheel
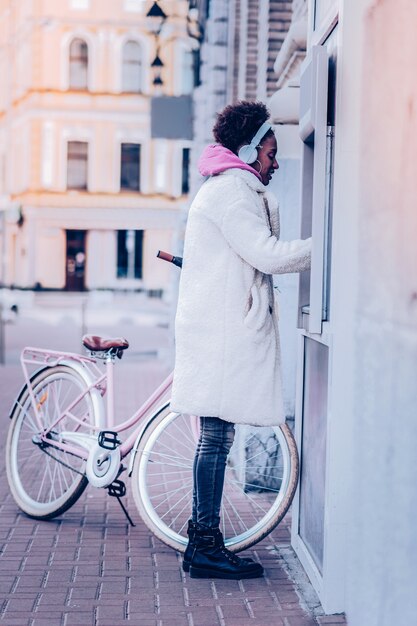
column 44, row 480
column 260, row 481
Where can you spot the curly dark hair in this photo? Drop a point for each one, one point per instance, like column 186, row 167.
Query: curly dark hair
column 238, row 123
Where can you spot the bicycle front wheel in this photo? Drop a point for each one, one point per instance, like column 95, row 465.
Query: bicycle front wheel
column 260, row 481
column 44, row 480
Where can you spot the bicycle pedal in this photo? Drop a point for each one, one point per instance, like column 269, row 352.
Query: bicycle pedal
column 117, row 489
column 108, row 439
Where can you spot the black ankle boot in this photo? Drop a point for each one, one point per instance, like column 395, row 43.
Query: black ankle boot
column 191, row 532
column 211, row 559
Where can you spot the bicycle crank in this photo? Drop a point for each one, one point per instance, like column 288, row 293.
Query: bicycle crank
column 102, row 466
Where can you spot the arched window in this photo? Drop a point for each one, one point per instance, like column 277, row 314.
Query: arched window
column 78, row 71
column 132, row 67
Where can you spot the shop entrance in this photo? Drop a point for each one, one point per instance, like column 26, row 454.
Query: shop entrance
column 75, row 260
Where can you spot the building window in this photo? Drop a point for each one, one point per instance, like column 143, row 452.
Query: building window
column 129, row 253
column 185, row 185
column 132, row 67
column 187, row 72
column 77, row 165
column 130, row 167
column 196, row 67
column 78, row 64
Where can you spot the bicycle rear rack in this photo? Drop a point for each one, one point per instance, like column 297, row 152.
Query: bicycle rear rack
column 50, row 358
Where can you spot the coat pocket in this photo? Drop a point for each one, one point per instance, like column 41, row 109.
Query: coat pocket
column 259, row 310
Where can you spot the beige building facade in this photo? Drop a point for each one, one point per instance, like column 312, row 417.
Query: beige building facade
column 87, row 194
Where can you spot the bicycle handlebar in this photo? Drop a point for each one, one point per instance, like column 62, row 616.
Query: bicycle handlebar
column 166, row 256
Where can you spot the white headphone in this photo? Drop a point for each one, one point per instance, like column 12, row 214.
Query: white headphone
column 248, row 153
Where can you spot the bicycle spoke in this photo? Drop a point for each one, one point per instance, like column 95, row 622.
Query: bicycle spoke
column 29, row 418
column 226, row 512
column 164, row 482
column 167, row 496
column 152, row 473
column 180, row 500
column 171, row 458
column 177, row 465
column 245, row 484
column 222, row 522
column 232, row 506
column 254, row 470
column 186, row 505
column 57, row 472
column 42, row 483
column 51, row 474
column 169, row 447
column 251, row 499
column 189, row 438
column 183, row 526
column 250, row 458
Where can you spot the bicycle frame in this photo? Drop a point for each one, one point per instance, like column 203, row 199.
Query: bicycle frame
column 95, row 381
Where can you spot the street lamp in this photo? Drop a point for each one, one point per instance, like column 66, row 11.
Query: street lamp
column 157, row 64
column 155, row 18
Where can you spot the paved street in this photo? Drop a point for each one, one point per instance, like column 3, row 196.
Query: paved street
column 89, row 567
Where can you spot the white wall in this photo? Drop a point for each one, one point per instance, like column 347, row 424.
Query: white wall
column 382, row 575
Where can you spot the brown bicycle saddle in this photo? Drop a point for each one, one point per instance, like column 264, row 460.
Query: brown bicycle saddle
column 101, row 344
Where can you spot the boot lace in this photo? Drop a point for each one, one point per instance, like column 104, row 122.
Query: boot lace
column 230, row 556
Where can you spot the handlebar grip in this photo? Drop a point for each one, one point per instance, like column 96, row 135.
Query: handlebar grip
column 166, row 256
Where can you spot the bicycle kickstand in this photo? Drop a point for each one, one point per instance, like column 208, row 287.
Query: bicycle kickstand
column 117, row 490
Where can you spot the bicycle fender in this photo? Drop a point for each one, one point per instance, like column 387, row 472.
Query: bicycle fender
column 141, row 431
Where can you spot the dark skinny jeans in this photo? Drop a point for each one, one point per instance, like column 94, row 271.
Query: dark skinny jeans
column 216, row 439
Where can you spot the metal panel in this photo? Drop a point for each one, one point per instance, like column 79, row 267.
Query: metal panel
column 171, row 117
column 307, row 169
column 327, row 247
column 313, row 131
column 313, row 449
column 319, row 192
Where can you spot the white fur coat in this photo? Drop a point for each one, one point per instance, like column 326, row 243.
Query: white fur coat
column 228, row 361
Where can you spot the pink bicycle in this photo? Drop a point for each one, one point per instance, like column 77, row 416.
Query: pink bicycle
column 63, row 436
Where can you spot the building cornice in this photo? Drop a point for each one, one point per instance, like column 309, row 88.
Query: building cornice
column 294, row 45
column 85, row 200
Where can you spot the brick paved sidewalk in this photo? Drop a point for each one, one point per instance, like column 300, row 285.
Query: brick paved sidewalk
column 90, row 568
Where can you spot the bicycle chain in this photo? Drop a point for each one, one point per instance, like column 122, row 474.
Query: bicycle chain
column 62, row 462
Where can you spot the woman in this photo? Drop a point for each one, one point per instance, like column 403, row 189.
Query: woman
column 227, row 367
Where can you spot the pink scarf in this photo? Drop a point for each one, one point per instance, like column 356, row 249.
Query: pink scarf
column 216, row 159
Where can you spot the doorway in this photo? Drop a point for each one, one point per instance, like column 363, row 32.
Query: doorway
column 75, row 260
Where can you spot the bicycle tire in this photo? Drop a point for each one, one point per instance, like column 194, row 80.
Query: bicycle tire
column 162, row 482
column 44, row 481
